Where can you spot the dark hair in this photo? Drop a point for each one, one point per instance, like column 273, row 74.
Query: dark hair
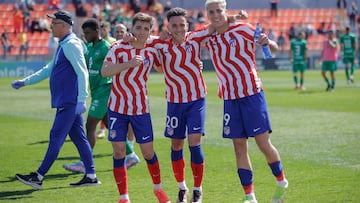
column 176, row 12
column 143, row 17
column 91, row 23
column 105, row 24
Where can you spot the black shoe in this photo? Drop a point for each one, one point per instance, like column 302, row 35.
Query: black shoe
column 328, row 88
column 31, row 180
column 197, row 197
column 182, row 196
column 86, row 181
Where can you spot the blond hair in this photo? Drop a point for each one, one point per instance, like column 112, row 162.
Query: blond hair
column 222, row 2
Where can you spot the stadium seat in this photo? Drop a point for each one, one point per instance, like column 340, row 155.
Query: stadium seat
column 35, row 35
column 233, row 12
column 38, row 41
column 44, row 36
column 6, row 21
column 44, row 51
column 35, row 43
column 6, row 7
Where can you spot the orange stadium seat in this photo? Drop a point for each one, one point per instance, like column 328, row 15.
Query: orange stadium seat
column 43, row 51
column 233, row 12
column 6, row 7
column 32, row 51
column 35, row 35
column 4, row 14
column 306, row 12
column 288, row 12
column 38, row 41
column 6, row 21
column 44, row 36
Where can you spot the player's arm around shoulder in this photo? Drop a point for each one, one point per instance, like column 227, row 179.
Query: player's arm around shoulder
column 110, row 69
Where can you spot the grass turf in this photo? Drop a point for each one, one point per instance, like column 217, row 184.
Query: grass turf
column 316, row 133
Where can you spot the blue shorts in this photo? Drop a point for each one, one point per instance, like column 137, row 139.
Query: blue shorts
column 189, row 115
column 246, row 117
column 118, row 127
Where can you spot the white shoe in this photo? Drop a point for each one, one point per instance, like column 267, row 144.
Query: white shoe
column 101, row 134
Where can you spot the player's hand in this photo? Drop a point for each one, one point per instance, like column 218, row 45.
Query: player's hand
column 319, row 62
column 136, row 61
column 18, row 84
column 243, row 15
column 164, row 35
column 201, row 65
column 263, row 39
column 80, row 108
column 128, row 37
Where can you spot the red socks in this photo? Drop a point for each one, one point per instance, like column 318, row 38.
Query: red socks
column 121, row 179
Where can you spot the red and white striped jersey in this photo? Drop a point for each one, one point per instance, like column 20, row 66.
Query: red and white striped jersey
column 233, row 56
column 129, row 92
column 182, row 68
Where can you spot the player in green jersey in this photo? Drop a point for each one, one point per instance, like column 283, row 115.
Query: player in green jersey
column 100, row 88
column 348, row 48
column 105, row 30
column 298, row 57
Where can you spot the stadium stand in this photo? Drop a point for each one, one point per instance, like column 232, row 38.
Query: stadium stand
column 38, row 42
column 308, row 17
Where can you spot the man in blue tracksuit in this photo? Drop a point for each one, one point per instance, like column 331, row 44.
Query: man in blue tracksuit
column 68, row 85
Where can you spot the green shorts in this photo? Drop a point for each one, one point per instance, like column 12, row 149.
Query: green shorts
column 299, row 67
column 347, row 60
column 99, row 100
column 329, row 66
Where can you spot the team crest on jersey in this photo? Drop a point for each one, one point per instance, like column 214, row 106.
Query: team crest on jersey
column 188, row 48
column 146, row 61
column 232, row 42
column 112, row 133
column 170, row 131
column 227, row 130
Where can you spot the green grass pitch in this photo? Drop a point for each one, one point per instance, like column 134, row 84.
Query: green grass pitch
column 317, row 134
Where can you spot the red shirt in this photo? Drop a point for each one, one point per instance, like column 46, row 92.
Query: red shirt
column 182, row 70
column 233, row 56
column 129, row 92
